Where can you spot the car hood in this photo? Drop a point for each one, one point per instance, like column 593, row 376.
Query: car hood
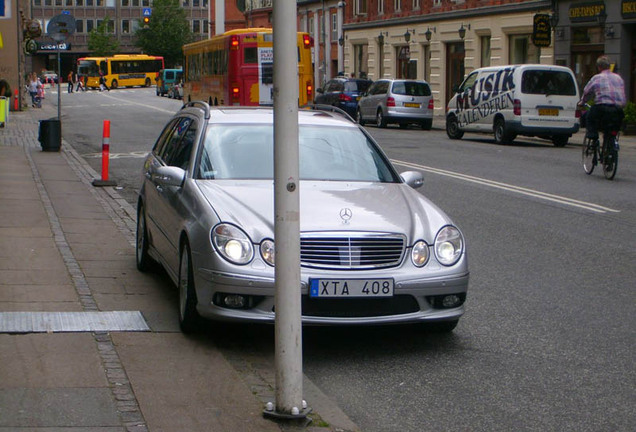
column 377, row 207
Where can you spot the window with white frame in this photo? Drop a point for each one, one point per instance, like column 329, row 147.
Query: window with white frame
column 125, row 3
column 397, row 5
column 380, row 7
column 58, row 2
column 110, row 3
column 89, row 25
column 361, row 7
column 125, row 26
column 416, row 4
column 522, row 50
column 334, row 26
column 68, row 2
column 311, row 26
column 206, row 26
column 37, row 2
column 48, row 3
column 79, row 26
column 437, row 3
column 485, row 50
column 196, row 26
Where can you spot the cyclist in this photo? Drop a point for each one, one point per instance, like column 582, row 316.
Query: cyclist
column 608, row 91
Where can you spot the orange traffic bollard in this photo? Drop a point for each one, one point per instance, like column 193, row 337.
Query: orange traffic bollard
column 105, row 157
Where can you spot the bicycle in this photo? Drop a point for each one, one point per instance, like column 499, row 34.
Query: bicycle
column 606, row 155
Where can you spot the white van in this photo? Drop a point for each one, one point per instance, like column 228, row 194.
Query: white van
column 530, row 100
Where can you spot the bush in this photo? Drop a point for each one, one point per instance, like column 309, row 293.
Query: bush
column 630, row 113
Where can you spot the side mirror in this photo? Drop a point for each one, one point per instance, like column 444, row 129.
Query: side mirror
column 455, row 88
column 413, row 178
column 320, row 90
column 169, row 176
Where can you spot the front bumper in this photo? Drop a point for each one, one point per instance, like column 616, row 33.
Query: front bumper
column 411, row 303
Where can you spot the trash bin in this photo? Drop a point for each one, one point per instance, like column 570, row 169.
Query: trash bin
column 50, row 135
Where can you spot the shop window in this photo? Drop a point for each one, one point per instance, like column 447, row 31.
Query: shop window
column 522, row 50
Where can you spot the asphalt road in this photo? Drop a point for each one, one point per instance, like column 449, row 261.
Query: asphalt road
column 547, row 343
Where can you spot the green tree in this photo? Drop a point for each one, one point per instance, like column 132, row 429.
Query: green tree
column 101, row 40
column 166, row 33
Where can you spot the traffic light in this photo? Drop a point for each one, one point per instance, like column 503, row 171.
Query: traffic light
column 146, row 21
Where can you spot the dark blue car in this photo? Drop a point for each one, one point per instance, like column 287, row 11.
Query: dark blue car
column 343, row 93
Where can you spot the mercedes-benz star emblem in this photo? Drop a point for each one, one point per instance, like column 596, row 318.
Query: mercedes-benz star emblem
column 345, row 215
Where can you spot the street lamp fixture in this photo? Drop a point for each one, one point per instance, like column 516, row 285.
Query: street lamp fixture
column 381, row 37
column 462, row 31
column 428, row 34
column 554, row 19
column 407, row 35
column 341, row 41
column 602, row 17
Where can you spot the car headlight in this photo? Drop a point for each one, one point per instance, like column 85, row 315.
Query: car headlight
column 419, row 253
column 232, row 243
column 449, row 245
column 268, row 252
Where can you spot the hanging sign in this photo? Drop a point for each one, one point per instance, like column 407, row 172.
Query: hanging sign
column 541, row 31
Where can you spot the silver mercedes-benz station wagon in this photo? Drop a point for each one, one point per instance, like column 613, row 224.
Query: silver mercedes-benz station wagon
column 373, row 249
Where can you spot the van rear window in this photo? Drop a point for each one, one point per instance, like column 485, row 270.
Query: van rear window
column 547, row 82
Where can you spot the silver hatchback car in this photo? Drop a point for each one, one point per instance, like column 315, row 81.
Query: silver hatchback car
column 373, row 250
column 398, row 101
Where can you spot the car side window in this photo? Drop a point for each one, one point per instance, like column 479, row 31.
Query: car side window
column 171, row 149
column 383, row 88
column 164, row 137
column 181, row 156
column 469, row 82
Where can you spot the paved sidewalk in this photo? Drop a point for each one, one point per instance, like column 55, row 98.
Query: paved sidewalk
column 69, row 359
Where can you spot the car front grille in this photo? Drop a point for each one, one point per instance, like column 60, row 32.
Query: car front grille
column 359, row 307
column 351, row 251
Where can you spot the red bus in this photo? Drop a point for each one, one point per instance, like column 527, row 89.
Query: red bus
column 237, row 68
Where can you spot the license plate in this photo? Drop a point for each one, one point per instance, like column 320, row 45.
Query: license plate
column 350, row 288
column 411, row 105
column 548, row 111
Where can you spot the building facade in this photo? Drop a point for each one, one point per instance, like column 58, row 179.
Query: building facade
column 125, row 15
column 587, row 29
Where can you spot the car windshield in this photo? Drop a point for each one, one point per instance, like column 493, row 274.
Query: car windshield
column 326, row 153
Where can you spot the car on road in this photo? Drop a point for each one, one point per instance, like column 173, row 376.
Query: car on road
column 372, row 249
column 506, row 101
column 49, row 77
column 343, row 93
column 398, row 101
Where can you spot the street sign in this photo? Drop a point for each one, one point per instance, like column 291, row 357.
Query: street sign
column 147, row 12
column 60, row 27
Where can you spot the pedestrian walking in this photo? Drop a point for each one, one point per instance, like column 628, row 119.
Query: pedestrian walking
column 102, row 82
column 32, row 88
column 40, row 93
column 70, row 79
column 80, row 83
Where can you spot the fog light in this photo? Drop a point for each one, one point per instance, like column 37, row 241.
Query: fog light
column 450, row 301
column 234, row 301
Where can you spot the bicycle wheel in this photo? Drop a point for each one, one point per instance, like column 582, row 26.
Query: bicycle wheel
column 609, row 159
column 589, row 155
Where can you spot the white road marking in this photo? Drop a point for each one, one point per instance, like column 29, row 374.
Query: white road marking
column 511, row 188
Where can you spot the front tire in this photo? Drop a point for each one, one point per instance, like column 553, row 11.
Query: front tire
column 142, row 257
column 452, row 128
column 147, row 82
column 589, row 155
column 114, row 84
column 188, row 315
column 359, row 117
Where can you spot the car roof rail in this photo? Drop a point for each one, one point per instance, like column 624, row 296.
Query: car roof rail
column 329, row 108
column 202, row 104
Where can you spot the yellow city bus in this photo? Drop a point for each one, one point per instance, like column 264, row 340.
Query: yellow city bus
column 121, row 70
column 237, row 68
